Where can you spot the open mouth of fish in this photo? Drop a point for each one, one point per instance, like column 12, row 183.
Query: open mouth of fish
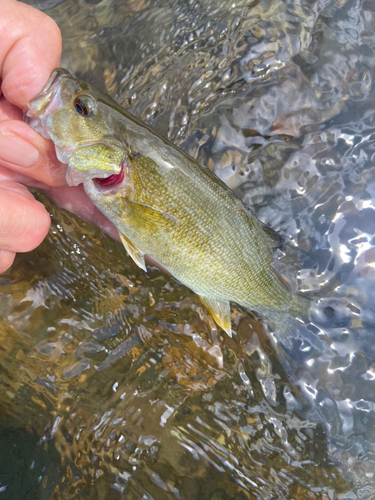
column 45, row 104
column 110, row 181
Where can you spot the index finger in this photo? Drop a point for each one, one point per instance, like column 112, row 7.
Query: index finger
column 30, row 48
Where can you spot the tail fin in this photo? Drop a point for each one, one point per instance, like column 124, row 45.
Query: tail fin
column 290, row 330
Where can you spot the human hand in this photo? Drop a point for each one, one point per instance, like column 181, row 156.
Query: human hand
column 30, row 48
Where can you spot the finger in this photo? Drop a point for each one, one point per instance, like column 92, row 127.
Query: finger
column 16, row 188
column 30, row 48
column 25, row 151
column 6, row 260
column 10, row 175
column 24, row 222
column 8, row 111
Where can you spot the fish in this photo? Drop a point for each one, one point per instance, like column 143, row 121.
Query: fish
column 164, row 203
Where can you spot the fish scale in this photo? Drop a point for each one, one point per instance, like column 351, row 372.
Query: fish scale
column 189, row 237
column 165, row 204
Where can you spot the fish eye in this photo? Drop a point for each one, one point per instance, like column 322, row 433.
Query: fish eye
column 84, row 105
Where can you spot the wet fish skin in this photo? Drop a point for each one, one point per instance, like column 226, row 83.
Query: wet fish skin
column 163, row 202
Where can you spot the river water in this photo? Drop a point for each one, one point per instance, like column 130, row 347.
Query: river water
column 115, row 383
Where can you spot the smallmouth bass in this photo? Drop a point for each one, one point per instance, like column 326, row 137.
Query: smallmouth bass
column 163, row 202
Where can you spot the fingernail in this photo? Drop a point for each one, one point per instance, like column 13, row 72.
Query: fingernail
column 14, row 149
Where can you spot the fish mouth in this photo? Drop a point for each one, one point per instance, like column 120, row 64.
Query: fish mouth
column 45, row 103
column 102, row 180
column 40, row 102
column 111, row 181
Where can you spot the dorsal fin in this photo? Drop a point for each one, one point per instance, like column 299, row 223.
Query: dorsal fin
column 275, row 238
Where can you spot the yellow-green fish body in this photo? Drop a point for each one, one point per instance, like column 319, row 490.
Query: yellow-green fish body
column 163, row 202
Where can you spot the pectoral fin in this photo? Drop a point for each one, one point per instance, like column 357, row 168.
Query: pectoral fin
column 220, row 310
column 134, row 253
column 153, row 219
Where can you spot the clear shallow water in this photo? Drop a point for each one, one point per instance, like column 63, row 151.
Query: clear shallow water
column 114, row 383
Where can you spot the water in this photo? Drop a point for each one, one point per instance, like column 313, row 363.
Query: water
column 115, row 383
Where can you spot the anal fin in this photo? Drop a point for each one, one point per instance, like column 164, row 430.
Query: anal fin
column 220, row 310
column 134, row 253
